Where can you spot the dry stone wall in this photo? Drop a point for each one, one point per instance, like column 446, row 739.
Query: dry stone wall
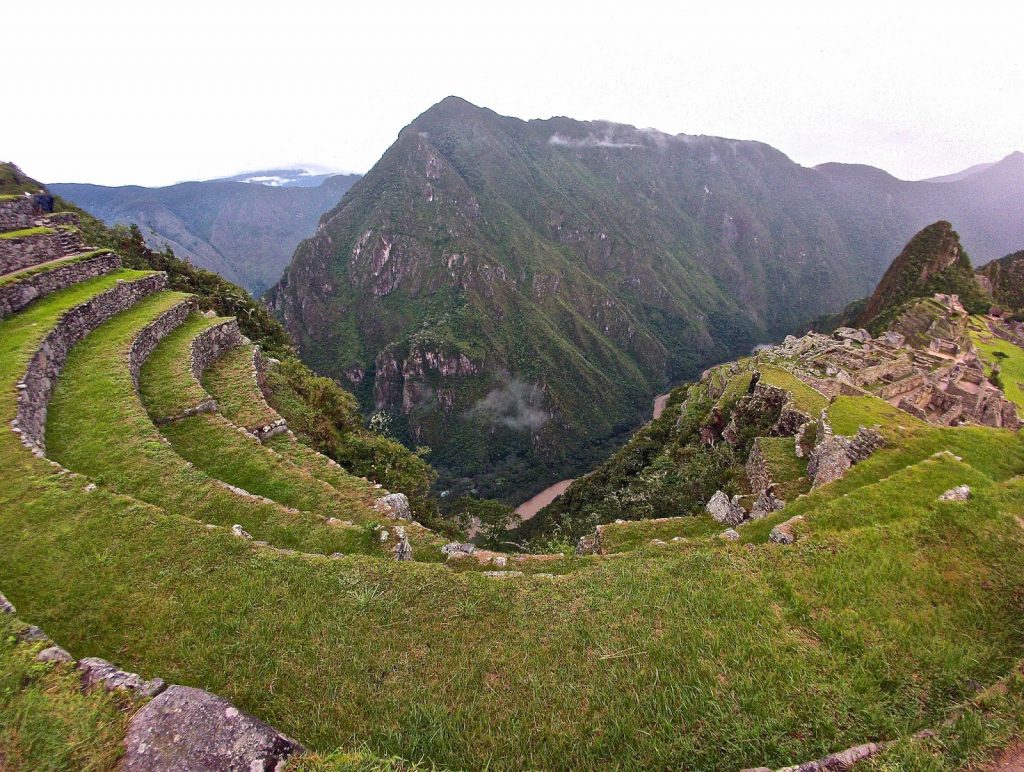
column 21, row 212
column 27, row 251
column 208, row 345
column 150, row 335
column 18, row 294
column 36, row 388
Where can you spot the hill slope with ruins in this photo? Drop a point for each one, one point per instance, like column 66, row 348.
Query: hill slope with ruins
column 198, row 573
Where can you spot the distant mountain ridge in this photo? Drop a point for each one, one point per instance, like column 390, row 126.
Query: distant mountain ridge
column 245, row 232
column 511, row 293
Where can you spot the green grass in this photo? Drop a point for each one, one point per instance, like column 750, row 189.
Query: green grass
column 736, row 386
column 46, row 722
column 807, row 399
column 1011, row 363
column 788, row 472
column 704, row 656
column 26, row 232
column 166, row 384
column 232, row 382
column 634, row 534
column 97, row 426
column 847, row 414
column 26, row 273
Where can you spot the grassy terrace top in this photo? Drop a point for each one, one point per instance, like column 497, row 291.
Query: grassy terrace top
column 1008, row 357
column 26, row 232
column 701, row 654
column 232, row 380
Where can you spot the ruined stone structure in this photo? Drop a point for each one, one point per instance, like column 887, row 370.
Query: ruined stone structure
column 15, row 295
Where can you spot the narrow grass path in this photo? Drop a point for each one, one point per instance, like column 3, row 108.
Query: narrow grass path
column 232, row 382
column 97, row 426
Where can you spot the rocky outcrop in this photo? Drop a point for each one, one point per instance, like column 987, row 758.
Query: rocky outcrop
column 15, row 295
column 394, row 505
column 766, row 503
column 186, row 728
column 36, row 387
column 725, row 510
column 6, row 607
column 959, row 493
column 403, row 548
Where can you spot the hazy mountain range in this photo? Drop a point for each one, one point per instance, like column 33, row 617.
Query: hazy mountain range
column 245, row 232
column 511, row 293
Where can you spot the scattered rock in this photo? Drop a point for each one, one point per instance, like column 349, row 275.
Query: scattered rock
column 502, row 574
column 457, row 549
column 384, row 535
column 959, row 493
column 783, row 532
column 402, row 549
column 54, row 654
column 589, row 544
column 725, row 511
column 394, row 505
column 658, row 543
column 240, row 532
column 99, row 672
column 499, row 560
column 186, row 728
column 6, row 607
column 31, row 634
column 90, row 487
column 730, row 534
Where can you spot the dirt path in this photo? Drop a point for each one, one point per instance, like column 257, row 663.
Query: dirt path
column 659, row 404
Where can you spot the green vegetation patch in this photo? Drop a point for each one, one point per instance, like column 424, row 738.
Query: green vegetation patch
column 46, row 722
column 166, row 383
column 25, row 233
column 1001, row 354
column 232, row 382
column 633, row 534
column 807, row 399
column 847, row 414
column 97, row 426
column 788, row 472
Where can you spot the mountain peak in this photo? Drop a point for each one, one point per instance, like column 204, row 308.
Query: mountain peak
column 932, row 261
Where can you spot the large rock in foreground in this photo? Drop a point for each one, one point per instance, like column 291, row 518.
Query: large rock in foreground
column 186, row 728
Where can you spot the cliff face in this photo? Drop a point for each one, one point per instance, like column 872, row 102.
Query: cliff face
column 577, row 267
column 1004, row 279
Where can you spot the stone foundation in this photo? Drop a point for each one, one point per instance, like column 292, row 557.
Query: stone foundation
column 15, row 295
column 36, row 387
column 19, row 213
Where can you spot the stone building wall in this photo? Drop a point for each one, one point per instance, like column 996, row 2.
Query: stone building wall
column 36, row 388
column 15, row 295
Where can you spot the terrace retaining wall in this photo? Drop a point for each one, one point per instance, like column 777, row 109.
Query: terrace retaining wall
column 36, row 388
column 15, row 295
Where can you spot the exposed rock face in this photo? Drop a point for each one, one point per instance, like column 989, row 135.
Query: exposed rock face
column 784, row 533
column 15, row 295
column 589, row 544
column 724, row 510
column 189, row 729
column 394, row 505
column 99, row 672
column 22, row 212
column 457, row 550
column 730, row 534
column 54, row 654
column 6, row 607
column 959, row 493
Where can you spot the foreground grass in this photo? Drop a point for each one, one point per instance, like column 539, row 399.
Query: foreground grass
column 96, row 425
column 45, row 720
column 699, row 656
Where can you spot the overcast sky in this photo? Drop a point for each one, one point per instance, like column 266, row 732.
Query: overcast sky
column 154, row 93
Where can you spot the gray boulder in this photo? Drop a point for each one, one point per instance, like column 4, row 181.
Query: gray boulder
column 402, row 549
column 724, row 511
column 457, row 549
column 6, row 607
column 783, row 533
column 767, row 503
column 828, row 462
column 31, row 634
column 730, row 534
column 186, row 728
column 99, row 672
column 54, row 654
column 959, row 493
column 394, row 505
